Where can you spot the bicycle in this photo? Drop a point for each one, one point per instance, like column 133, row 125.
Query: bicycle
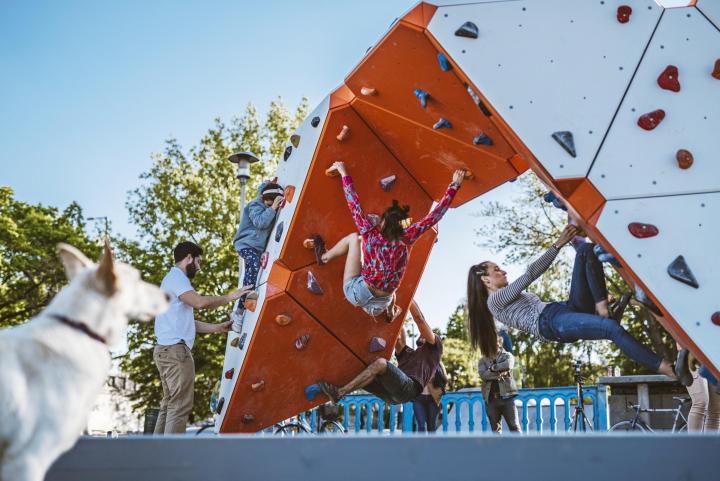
column 327, row 420
column 579, row 418
column 637, row 424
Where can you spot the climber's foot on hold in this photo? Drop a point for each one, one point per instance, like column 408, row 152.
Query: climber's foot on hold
column 318, row 245
column 330, row 390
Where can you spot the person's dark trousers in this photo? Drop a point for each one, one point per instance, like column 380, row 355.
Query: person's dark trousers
column 588, row 281
column 499, row 408
column 426, row 412
column 252, row 268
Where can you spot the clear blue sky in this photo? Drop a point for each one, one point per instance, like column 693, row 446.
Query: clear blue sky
column 88, row 90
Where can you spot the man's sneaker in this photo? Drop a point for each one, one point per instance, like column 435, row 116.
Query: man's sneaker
column 617, row 308
column 330, row 390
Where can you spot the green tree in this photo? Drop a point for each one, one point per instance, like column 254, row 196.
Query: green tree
column 460, row 362
column 193, row 195
column 456, row 326
column 30, row 272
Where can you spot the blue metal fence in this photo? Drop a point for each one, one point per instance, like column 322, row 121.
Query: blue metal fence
column 541, row 410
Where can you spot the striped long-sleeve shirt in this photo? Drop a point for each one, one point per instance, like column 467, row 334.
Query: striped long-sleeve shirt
column 384, row 261
column 518, row 309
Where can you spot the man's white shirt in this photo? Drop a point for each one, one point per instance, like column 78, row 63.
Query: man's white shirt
column 178, row 322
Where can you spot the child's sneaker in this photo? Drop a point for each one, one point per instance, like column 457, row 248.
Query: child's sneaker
column 318, row 245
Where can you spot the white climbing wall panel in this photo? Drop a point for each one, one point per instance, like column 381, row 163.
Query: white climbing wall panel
column 689, row 225
column 555, row 65
column 292, row 171
column 711, row 9
column 637, row 163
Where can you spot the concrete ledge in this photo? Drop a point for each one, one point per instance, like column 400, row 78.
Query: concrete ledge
column 643, row 379
column 349, row 458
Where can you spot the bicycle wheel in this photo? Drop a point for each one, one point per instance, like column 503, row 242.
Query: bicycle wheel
column 627, row 426
column 331, row 427
column 291, row 429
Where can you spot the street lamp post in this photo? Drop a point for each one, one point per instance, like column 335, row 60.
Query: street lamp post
column 243, row 161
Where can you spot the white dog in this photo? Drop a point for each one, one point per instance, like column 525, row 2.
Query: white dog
column 53, row 368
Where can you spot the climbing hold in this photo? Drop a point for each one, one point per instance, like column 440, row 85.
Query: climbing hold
column 220, row 404
column 313, row 285
column 302, row 342
column 623, row 13
column 248, row 418
column 241, row 340
column 367, row 91
column 283, row 319
column 234, row 342
column 258, row 386
column 386, row 183
column 566, row 141
column 264, row 259
column 679, row 270
column 715, row 318
column 468, row 174
column 374, row 219
column 315, row 121
column 251, row 301
column 377, row 344
column 684, row 158
column 467, row 30
column 278, row 232
column 642, row 231
column 330, row 172
column 422, row 96
column 551, row 198
column 444, row 63
column 442, row 124
column 317, row 244
column 287, row 153
column 478, row 101
column 311, row 391
column 643, row 299
column 605, row 256
column 669, row 79
column 230, row 373
column 344, row 133
column 716, row 69
column 482, row 139
column 289, row 193
column 652, row 119
column 295, row 140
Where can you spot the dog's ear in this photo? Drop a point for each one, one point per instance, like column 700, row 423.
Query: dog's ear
column 105, row 276
column 73, row 260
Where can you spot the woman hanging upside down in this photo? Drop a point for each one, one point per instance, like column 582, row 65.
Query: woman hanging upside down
column 585, row 316
column 373, row 272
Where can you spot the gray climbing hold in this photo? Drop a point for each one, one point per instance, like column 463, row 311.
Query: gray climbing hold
column 377, row 344
column 422, row 97
column 478, row 101
column 482, row 139
column 468, row 30
column 248, row 418
column 566, row 141
column 386, row 183
column 295, row 140
column 313, row 285
column 279, row 231
column 287, row 153
column 444, row 63
column 315, row 121
column 679, row 270
column 442, row 124
column 302, row 342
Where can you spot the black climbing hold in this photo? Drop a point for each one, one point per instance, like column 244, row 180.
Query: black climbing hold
column 422, row 97
column 295, row 140
column 643, row 299
column 444, row 63
column 278, row 232
column 482, row 139
column 680, row 271
column 442, row 124
column 468, row 30
column 315, row 121
column 551, row 198
column 287, row 153
column 566, row 141
column 220, row 405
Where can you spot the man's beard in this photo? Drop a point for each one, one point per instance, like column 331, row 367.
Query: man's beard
column 191, row 270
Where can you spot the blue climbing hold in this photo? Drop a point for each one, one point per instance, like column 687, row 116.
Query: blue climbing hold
column 442, row 124
column 551, row 198
column 422, row 97
column 444, row 63
column 312, row 391
column 605, row 256
column 680, row 271
column 482, row 139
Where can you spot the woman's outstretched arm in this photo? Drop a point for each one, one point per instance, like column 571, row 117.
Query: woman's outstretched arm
column 361, row 222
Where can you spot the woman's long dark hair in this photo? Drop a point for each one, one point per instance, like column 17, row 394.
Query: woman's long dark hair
column 481, row 325
column 393, row 216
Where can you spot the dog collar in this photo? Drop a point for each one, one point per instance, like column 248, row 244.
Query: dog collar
column 80, row 327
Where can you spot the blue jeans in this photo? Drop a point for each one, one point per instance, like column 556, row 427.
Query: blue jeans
column 425, row 412
column 575, row 320
column 507, row 340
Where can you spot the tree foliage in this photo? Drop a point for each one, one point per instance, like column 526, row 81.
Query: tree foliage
column 30, row 271
column 193, row 195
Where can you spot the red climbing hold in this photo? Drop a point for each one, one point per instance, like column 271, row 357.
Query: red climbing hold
column 302, row 342
column 684, row 158
column 230, row 373
column 716, row 70
column 642, row 231
column 715, row 318
column 386, row 183
column 623, row 13
column 652, row 119
column 668, row 79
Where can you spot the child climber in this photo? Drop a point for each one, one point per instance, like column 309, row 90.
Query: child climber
column 374, row 273
column 252, row 236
